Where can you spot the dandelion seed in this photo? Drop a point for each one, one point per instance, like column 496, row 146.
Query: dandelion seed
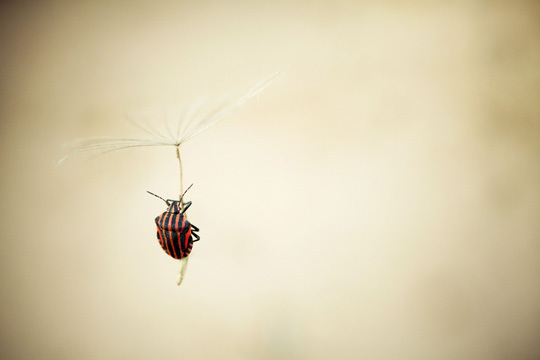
column 180, row 123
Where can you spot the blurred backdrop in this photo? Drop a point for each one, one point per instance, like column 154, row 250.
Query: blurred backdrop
column 381, row 201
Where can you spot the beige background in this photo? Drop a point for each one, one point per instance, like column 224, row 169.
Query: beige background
column 381, row 201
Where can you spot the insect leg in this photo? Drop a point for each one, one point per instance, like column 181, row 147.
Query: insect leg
column 197, row 237
column 194, row 227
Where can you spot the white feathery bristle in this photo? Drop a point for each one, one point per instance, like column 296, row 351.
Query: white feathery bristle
column 173, row 125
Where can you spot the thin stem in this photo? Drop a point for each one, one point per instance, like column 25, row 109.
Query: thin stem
column 183, row 262
column 181, row 178
column 182, row 272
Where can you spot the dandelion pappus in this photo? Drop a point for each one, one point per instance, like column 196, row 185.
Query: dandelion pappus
column 172, row 126
column 174, row 232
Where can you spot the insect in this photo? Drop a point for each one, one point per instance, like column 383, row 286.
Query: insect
column 174, row 232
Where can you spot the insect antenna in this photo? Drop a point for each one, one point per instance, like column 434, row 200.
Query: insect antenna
column 182, row 197
column 166, row 201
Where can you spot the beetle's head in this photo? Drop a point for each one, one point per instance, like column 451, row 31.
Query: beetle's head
column 174, row 206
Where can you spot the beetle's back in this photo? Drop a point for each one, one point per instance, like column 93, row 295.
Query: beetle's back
column 174, row 233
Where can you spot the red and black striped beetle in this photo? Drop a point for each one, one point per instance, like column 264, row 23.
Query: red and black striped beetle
column 174, row 232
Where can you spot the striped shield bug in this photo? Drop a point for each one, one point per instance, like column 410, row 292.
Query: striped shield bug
column 174, row 232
